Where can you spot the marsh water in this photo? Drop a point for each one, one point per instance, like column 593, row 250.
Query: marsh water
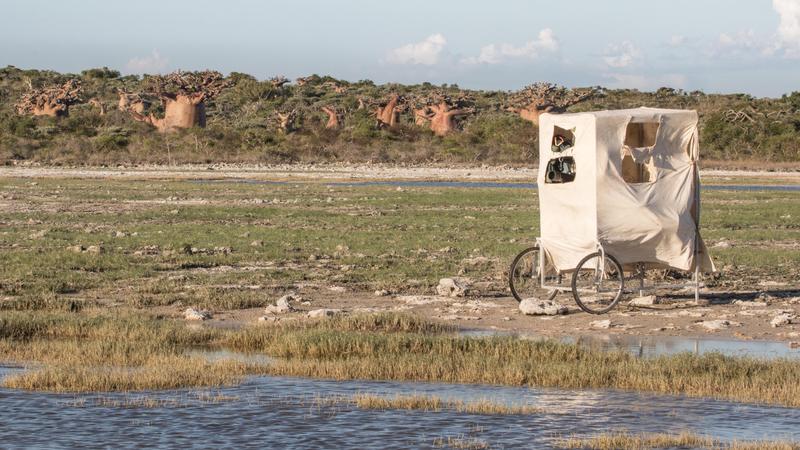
column 649, row 346
column 286, row 412
column 283, row 412
column 491, row 184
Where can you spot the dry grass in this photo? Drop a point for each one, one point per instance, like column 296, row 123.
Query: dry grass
column 333, row 354
column 158, row 372
column 625, row 441
column 460, row 442
column 99, row 351
column 427, row 403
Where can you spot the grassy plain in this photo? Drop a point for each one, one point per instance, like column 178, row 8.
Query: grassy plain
column 70, row 243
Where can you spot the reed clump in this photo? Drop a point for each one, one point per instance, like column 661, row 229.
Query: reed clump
column 621, row 440
column 434, row 403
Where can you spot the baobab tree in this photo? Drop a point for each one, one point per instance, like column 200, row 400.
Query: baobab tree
column 131, row 102
column 52, row 101
column 278, row 81
column 101, row 107
column 333, row 117
column 538, row 98
column 286, row 120
column 388, row 113
column 183, row 95
column 440, row 110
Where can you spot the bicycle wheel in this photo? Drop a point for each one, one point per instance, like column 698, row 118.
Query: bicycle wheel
column 524, row 277
column 597, row 283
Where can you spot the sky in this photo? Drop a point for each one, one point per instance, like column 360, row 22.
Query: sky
column 750, row 46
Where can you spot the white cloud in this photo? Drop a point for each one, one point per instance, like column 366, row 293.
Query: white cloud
column 155, row 63
column 426, row 52
column 621, row 55
column 788, row 34
column 677, row 40
column 546, row 41
column 645, row 82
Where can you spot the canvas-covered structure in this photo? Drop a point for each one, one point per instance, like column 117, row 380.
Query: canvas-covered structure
column 626, row 180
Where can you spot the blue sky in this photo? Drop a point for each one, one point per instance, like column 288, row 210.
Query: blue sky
column 748, row 46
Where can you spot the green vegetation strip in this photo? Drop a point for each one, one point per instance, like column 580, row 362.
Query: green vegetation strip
column 104, row 352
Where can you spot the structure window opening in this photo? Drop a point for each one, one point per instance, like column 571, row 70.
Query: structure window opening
column 563, row 139
column 560, row 170
column 636, row 160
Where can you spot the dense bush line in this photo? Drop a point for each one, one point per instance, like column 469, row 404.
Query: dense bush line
column 242, row 124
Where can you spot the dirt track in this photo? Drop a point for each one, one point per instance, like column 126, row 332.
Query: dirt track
column 332, row 172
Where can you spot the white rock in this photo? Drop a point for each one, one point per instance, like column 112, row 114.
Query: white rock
column 723, row 244
column 647, row 300
column 283, row 305
column 324, row 312
column 381, row 293
column 718, row 324
column 339, row 289
column 749, row 304
column 421, row 299
column 193, row 314
column 269, row 319
column 601, row 324
column 536, row 307
column 453, row 287
column 783, row 319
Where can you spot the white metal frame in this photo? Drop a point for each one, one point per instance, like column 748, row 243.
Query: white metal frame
column 695, row 283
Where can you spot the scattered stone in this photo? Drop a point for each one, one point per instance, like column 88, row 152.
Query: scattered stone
column 457, row 317
column 76, row 248
column 421, row 299
column 452, row 287
column 783, row 319
column 269, row 319
column 96, row 249
column 120, row 234
column 507, row 318
column 324, row 312
column 312, row 257
column 258, row 243
column 338, row 289
column 723, row 243
column 536, row 307
column 749, row 304
column 647, row 300
column 282, row 305
column 601, row 324
column 194, row 314
column 718, row 324
column 38, row 235
column 476, row 261
column 382, row 293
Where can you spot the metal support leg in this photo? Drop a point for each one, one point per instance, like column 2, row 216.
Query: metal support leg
column 696, row 282
column 641, row 281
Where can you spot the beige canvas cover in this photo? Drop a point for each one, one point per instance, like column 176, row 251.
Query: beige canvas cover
column 635, row 189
